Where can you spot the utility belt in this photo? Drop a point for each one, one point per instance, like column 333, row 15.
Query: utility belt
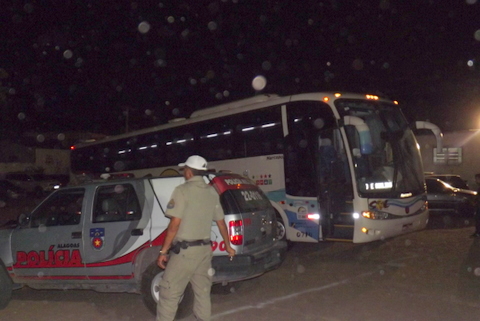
column 185, row 244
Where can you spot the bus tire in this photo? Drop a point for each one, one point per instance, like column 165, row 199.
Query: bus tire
column 150, row 291
column 281, row 229
column 6, row 287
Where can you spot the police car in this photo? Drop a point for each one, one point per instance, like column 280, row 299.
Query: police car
column 106, row 236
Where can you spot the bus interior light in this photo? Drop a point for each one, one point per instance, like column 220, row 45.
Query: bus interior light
column 313, row 216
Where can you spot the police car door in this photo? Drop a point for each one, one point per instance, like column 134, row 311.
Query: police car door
column 115, row 231
column 50, row 246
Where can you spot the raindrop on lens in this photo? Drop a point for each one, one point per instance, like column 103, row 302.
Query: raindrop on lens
column 259, row 82
column 144, row 27
column 119, row 166
column 477, row 271
column 67, row 54
column 300, row 268
column 211, row 271
column 61, row 137
column 118, row 189
column 212, row 25
column 40, row 138
column 42, row 228
column 319, row 123
column 21, row 116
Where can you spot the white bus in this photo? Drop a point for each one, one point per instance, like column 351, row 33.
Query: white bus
column 336, row 166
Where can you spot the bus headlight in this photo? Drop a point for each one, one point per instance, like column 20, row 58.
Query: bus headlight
column 375, row 215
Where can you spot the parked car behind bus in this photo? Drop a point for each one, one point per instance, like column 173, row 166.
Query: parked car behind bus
column 444, row 198
column 37, row 184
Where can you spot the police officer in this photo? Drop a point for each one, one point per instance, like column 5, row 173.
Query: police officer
column 477, row 208
column 192, row 208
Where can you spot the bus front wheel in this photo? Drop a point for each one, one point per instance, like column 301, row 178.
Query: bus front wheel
column 281, row 229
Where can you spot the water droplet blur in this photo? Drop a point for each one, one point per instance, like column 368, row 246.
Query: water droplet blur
column 2, row 203
column 382, row 272
column 300, row 268
column 40, row 138
column 303, row 143
column 148, row 112
column 176, row 112
column 144, row 27
column 67, row 54
column 21, row 116
column 471, row 1
column 119, row 166
column 212, row 25
column 211, row 271
column 266, row 65
column 476, row 35
column 171, row 19
column 28, row 7
column 408, row 242
column 477, row 271
column 61, row 137
column 357, row 64
column 259, row 82
column 319, row 123
column 42, row 228
column 119, row 189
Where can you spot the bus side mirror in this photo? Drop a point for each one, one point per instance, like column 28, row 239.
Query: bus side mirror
column 435, row 130
column 366, row 145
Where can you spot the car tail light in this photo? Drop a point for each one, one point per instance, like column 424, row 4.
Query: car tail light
column 236, row 232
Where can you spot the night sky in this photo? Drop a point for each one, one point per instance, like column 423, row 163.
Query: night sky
column 80, row 65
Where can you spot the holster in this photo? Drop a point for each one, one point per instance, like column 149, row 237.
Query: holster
column 178, row 246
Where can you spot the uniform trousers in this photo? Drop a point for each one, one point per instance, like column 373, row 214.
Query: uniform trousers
column 190, row 265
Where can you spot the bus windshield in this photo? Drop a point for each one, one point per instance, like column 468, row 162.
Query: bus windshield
column 387, row 162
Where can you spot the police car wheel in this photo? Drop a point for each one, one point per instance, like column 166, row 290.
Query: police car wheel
column 5, row 287
column 150, row 291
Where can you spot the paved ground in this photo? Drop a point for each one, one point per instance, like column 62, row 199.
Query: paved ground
column 428, row 275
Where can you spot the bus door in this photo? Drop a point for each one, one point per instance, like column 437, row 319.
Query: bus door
column 335, row 197
column 317, row 173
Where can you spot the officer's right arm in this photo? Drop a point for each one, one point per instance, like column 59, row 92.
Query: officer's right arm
column 222, row 227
